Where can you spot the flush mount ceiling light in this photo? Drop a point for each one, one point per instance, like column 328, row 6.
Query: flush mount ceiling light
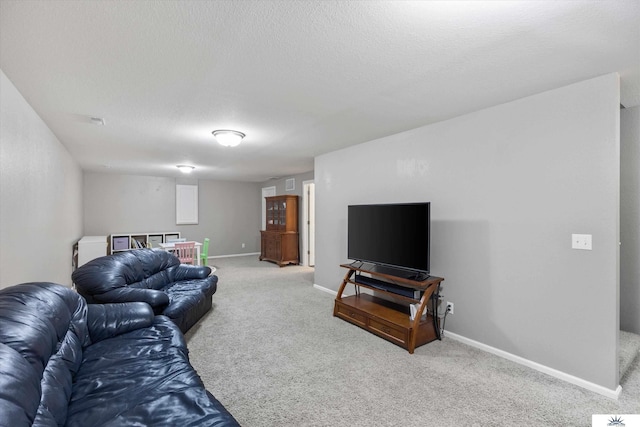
column 228, row 138
column 185, row 168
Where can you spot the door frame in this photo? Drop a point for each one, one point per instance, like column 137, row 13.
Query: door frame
column 308, row 223
column 266, row 192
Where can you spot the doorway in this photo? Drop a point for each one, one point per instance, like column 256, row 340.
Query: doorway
column 266, row 192
column 308, row 223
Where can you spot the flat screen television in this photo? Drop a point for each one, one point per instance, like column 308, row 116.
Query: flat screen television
column 391, row 235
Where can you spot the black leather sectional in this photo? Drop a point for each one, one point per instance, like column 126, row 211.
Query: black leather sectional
column 66, row 363
column 179, row 291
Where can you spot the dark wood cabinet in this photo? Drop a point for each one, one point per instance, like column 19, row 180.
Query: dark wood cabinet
column 279, row 242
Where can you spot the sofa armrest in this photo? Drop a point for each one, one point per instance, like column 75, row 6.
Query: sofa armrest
column 108, row 320
column 156, row 299
column 187, row 272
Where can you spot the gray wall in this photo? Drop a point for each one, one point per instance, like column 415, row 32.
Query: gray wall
column 228, row 212
column 40, row 196
column 508, row 186
column 630, row 220
column 279, row 183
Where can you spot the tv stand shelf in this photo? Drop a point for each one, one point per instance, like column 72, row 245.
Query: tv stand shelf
column 389, row 317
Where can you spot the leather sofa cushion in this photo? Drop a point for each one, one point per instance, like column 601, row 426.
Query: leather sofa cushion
column 185, row 295
column 146, row 379
column 142, row 268
column 19, row 388
column 45, row 324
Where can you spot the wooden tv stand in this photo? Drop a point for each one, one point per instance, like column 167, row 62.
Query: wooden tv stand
column 388, row 315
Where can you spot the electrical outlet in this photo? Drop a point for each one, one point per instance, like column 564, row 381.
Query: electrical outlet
column 243, row 246
column 581, row 241
column 449, row 307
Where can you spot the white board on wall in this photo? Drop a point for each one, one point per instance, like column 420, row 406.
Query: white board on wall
column 186, row 204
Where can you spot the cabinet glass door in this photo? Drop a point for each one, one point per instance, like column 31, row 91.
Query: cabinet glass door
column 270, row 214
column 282, row 215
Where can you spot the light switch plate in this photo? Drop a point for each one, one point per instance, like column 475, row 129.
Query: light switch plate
column 581, row 241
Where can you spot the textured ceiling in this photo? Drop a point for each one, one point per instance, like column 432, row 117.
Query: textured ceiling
column 300, row 78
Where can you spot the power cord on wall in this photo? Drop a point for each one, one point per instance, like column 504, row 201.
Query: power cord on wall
column 444, row 320
column 439, row 297
column 442, row 317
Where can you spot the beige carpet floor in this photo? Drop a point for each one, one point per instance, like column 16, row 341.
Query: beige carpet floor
column 273, row 354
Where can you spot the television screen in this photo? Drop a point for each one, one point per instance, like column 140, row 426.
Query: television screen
column 395, row 235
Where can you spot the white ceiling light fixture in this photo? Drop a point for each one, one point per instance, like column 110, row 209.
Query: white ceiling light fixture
column 228, row 138
column 185, row 168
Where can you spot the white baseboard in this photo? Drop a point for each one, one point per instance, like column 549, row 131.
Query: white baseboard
column 234, row 255
column 323, row 289
column 613, row 394
column 331, row 291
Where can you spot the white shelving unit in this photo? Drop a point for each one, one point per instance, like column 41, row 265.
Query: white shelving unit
column 121, row 242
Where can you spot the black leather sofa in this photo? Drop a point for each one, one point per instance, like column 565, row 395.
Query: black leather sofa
column 66, row 363
column 179, row 291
